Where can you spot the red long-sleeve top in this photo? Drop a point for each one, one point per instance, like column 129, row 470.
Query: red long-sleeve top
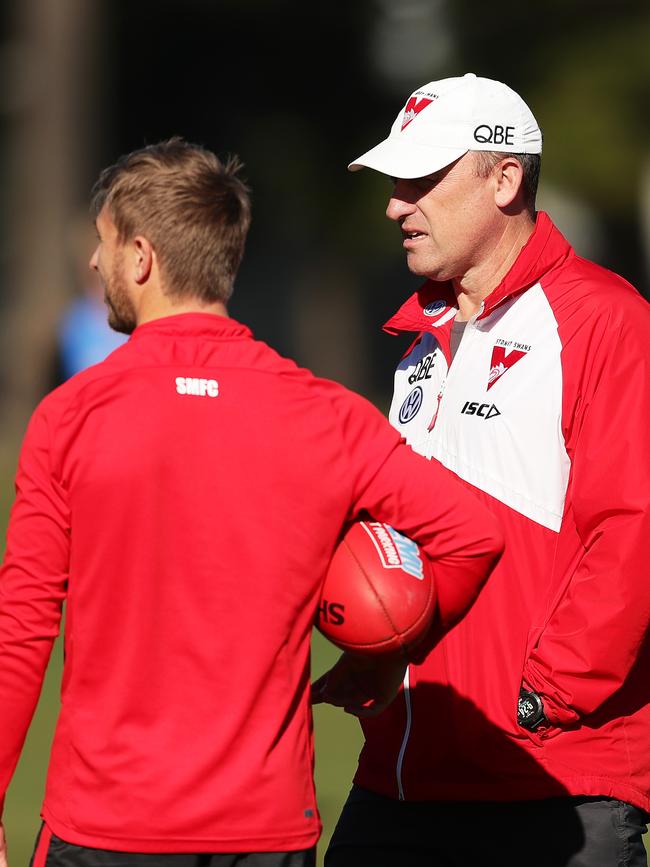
column 183, row 498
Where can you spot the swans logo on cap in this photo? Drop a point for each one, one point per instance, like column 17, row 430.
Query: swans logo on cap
column 413, row 107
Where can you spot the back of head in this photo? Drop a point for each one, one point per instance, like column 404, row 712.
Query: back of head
column 443, row 120
column 194, row 210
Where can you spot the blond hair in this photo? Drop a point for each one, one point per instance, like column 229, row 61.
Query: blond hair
column 194, row 210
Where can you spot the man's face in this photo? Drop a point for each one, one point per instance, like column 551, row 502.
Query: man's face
column 448, row 220
column 108, row 261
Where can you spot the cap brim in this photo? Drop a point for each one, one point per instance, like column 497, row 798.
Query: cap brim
column 402, row 159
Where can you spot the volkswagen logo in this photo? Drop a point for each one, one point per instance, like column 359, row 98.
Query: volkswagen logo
column 411, row 406
column 434, row 307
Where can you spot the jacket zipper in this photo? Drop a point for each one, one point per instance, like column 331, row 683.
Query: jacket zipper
column 432, row 423
column 407, row 733
column 407, row 690
column 443, row 384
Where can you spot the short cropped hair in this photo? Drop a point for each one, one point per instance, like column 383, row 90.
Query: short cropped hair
column 485, row 161
column 193, row 208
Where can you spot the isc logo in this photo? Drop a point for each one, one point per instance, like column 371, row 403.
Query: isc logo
column 483, row 410
column 331, row 612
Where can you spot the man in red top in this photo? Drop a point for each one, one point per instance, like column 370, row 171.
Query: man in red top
column 524, row 737
column 183, row 499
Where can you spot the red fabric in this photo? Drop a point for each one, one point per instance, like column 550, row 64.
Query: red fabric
column 565, row 612
column 42, row 847
column 188, row 535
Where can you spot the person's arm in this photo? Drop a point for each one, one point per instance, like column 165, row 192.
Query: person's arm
column 461, row 537
column 427, row 503
column 592, row 640
column 3, row 847
column 33, row 582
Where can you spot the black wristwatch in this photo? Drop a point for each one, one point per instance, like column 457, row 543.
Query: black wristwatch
column 530, row 710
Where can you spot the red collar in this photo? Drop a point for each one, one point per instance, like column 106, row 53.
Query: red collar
column 433, row 304
column 193, row 325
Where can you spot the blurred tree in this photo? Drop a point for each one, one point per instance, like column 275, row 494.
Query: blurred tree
column 53, row 90
column 584, row 67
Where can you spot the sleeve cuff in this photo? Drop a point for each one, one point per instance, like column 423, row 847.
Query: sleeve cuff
column 556, row 713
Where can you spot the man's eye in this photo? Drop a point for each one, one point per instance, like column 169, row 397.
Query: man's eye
column 425, row 183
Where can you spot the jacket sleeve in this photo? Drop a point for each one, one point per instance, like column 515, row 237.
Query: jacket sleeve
column 32, row 589
column 427, row 503
column 593, row 638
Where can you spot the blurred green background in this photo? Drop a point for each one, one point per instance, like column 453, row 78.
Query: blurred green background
column 298, row 91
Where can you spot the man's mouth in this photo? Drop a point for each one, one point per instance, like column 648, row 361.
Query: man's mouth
column 410, row 233
column 411, row 236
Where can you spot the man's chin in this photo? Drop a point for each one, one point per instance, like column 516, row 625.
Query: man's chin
column 424, row 273
column 426, row 270
column 122, row 326
column 416, row 265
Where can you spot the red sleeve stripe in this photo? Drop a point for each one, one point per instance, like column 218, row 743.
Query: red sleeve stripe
column 42, row 847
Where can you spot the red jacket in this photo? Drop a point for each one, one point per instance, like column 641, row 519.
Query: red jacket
column 184, row 498
column 545, row 413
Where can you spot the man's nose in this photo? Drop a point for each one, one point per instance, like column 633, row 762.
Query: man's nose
column 92, row 264
column 398, row 208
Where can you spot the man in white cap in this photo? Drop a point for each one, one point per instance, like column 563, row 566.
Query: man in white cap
column 524, row 736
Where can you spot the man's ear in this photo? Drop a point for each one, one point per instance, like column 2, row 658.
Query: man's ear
column 509, row 178
column 142, row 259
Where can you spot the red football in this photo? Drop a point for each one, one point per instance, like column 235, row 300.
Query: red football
column 378, row 595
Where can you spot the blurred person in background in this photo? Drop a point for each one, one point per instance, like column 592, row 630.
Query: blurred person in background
column 524, row 736
column 183, row 498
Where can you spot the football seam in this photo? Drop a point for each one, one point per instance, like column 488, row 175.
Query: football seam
column 396, row 634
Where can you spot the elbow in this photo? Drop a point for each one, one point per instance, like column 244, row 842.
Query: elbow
column 489, row 542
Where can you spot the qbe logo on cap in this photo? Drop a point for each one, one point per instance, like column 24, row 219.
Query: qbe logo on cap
column 411, row 406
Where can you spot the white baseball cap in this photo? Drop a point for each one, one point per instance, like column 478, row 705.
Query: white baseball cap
column 444, row 119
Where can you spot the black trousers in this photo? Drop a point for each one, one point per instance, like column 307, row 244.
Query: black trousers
column 50, row 851
column 374, row 831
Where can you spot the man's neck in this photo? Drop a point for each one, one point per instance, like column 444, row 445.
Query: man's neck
column 478, row 283
column 159, row 306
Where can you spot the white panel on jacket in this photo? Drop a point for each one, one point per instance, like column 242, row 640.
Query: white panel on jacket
column 499, row 421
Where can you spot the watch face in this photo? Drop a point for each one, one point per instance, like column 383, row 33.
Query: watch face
column 526, row 709
column 530, row 710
